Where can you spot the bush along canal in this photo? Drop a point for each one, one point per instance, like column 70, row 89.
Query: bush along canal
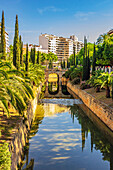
column 65, row 136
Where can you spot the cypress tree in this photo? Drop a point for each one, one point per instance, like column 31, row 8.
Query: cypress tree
column 21, row 51
column 3, row 41
column 16, row 46
column 88, row 67
column 74, row 58
column 33, row 55
column 94, row 60
column 67, row 63
column 84, row 60
column 38, row 58
column 27, row 59
column 64, row 64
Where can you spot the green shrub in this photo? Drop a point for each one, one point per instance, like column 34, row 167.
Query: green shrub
column 76, row 81
column 5, row 157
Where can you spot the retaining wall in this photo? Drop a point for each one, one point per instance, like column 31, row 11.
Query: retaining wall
column 101, row 110
column 20, row 136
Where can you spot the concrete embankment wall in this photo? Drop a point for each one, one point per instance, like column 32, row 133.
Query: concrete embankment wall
column 20, row 137
column 101, row 110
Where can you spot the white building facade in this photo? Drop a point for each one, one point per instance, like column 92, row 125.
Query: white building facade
column 62, row 47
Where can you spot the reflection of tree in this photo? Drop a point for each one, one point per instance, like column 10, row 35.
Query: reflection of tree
column 39, row 115
column 53, row 87
column 97, row 139
column 30, row 166
column 64, row 90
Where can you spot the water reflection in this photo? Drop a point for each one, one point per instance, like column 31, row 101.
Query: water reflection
column 58, row 142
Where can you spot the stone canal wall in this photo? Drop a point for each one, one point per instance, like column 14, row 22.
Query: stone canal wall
column 101, row 110
column 20, row 136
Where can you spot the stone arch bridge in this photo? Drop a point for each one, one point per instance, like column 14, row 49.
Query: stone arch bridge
column 59, row 72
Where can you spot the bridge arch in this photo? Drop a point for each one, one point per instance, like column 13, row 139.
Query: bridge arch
column 59, row 72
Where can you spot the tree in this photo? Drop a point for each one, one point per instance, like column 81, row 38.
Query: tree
column 3, row 41
column 16, row 46
column 38, row 57
column 31, row 55
column 34, row 53
column 21, row 51
column 94, row 60
column 68, row 64
column 84, row 75
column 10, row 53
column 88, row 67
column 27, row 59
column 106, row 81
column 74, row 59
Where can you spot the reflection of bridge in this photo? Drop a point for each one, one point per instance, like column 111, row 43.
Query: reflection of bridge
column 59, row 72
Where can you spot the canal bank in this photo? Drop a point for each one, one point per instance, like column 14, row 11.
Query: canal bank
column 18, row 137
column 101, row 110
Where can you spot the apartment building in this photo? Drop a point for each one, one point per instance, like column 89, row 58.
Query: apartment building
column 6, row 38
column 76, row 44
column 62, row 47
column 37, row 48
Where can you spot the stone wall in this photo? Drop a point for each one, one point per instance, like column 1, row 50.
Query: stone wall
column 101, row 110
column 20, row 136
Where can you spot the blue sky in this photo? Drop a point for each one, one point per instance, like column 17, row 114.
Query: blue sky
column 59, row 17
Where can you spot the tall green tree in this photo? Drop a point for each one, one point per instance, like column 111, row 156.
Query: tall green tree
column 33, row 57
column 84, row 60
column 94, row 60
column 74, row 58
column 21, row 51
column 38, row 57
column 16, row 46
column 27, row 59
column 88, row 66
column 3, row 41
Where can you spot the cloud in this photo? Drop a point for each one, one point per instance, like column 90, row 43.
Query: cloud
column 83, row 15
column 49, row 8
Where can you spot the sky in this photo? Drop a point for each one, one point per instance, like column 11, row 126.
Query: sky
column 58, row 17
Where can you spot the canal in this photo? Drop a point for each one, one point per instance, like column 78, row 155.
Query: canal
column 62, row 137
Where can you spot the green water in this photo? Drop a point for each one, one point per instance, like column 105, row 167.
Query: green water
column 63, row 138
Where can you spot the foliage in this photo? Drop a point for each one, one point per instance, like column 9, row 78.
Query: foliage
column 84, row 85
column 5, row 157
column 74, row 72
column 105, row 50
column 21, row 51
column 16, row 46
column 75, row 81
column 94, row 60
column 27, row 60
column 3, row 41
column 14, row 88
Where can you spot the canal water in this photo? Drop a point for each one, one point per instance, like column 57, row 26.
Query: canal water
column 62, row 137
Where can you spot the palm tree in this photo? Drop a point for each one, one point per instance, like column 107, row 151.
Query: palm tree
column 106, row 81
column 14, row 89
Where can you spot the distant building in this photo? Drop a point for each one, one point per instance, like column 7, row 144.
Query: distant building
column 37, row 48
column 6, row 38
column 62, row 47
